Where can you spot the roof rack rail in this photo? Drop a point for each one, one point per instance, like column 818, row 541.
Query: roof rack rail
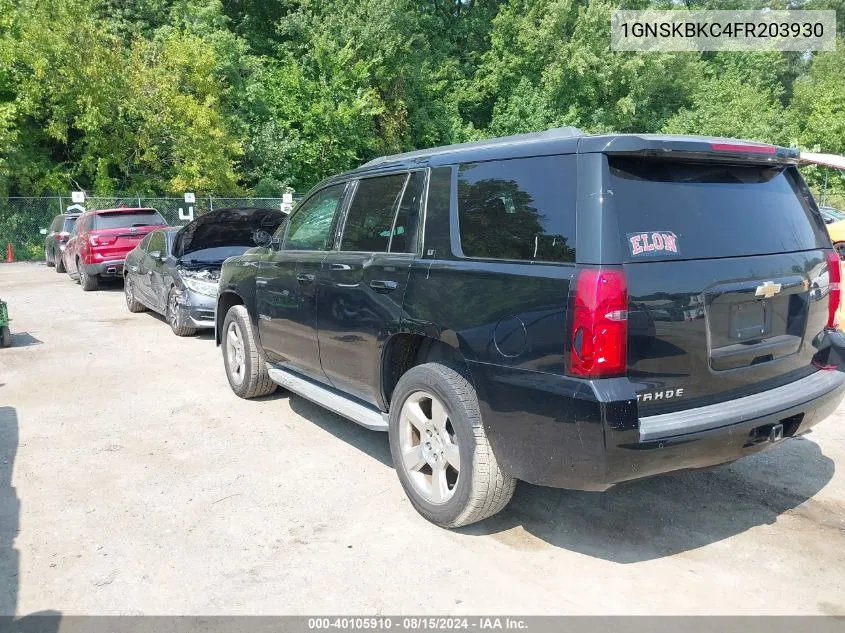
column 545, row 135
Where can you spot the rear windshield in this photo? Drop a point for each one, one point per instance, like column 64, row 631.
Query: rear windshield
column 700, row 210
column 127, row 219
column 68, row 225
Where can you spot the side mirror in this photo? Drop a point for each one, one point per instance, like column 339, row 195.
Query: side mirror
column 262, row 238
column 828, row 220
column 43, row 231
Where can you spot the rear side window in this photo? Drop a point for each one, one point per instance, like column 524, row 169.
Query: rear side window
column 126, row 220
column 408, row 216
column 56, row 224
column 370, row 219
column 670, row 210
column 518, row 209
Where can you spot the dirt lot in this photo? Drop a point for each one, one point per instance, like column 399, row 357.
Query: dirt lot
column 133, row 481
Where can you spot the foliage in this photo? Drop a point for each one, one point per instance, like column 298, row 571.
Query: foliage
column 235, row 96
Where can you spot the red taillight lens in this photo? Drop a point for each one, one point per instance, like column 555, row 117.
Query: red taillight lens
column 835, row 276
column 744, row 148
column 599, row 336
column 101, row 240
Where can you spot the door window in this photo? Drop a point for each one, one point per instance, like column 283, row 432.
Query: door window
column 145, row 243
column 519, row 209
column 78, row 227
column 369, row 222
column 157, row 244
column 311, row 224
column 408, row 217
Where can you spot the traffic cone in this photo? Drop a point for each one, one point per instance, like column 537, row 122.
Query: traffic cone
column 10, row 253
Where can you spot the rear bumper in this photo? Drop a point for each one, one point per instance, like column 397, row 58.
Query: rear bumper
column 557, row 431
column 197, row 310
column 112, row 268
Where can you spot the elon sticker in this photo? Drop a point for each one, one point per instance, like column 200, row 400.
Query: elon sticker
column 653, row 243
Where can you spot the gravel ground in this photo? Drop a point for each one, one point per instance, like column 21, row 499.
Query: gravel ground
column 132, row 481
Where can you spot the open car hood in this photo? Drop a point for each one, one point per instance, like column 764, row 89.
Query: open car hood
column 225, row 227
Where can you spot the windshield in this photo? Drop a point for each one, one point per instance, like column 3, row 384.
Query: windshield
column 127, row 219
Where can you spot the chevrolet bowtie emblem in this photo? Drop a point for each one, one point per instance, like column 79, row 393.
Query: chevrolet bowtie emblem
column 768, row 289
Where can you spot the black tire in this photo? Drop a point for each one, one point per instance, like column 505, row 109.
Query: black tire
column 5, row 336
column 49, row 263
column 129, row 294
column 88, row 282
column 60, row 265
column 254, row 379
column 174, row 317
column 482, row 489
column 840, row 249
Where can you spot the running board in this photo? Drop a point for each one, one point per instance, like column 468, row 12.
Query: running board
column 330, row 399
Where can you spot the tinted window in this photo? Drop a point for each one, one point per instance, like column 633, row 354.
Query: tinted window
column 56, row 225
column 126, row 220
column 709, row 210
column 311, row 223
column 408, row 216
column 520, row 209
column 370, row 219
column 68, row 224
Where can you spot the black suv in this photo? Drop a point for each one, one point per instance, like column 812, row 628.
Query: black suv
column 570, row 310
column 56, row 239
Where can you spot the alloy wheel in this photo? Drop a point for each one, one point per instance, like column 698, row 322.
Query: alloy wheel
column 235, row 353
column 429, row 446
column 173, row 311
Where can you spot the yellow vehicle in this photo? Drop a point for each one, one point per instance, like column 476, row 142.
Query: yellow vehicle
column 836, row 230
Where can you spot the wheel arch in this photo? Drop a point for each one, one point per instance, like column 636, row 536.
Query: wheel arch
column 406, row 350
column 225, row 301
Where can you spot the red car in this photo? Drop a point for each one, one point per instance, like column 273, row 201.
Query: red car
column 100, row 240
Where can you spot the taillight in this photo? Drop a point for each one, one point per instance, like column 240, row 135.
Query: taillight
column 834, row 273
column 745, row 148
column 102, row 240
column 599, row 336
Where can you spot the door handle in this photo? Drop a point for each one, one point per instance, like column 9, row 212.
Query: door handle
column 383, row 285
column 341, row 267
column 305, row 278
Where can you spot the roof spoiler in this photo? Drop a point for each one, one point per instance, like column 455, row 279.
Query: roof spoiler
column 701, row 148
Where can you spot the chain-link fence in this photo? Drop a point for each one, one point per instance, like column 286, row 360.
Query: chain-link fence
column 21, row 219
